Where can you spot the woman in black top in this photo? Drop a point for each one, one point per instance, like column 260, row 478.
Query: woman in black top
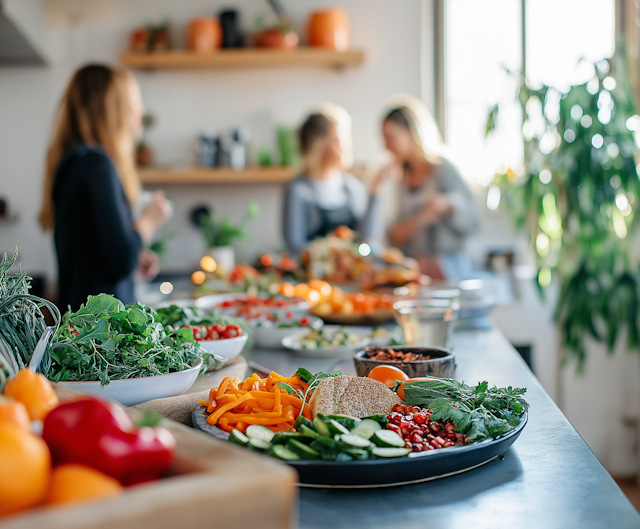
column 90, row 186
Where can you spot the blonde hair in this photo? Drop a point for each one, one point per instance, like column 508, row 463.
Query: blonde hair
column 95, row 110
column 411, row 113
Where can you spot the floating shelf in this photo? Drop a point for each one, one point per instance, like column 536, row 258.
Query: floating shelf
column 243, row 58
column 199, row 175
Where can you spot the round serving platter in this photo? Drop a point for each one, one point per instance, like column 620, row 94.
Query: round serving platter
column 418, row 467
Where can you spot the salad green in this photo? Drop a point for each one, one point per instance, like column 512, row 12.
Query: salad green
column 106, row 340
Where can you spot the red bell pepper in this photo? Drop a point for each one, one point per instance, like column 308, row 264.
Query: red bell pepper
column 100, row 434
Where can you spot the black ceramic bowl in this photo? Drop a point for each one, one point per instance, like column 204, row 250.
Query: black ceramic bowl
column 440, row 364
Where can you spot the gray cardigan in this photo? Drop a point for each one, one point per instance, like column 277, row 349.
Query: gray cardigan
column 302, row 216
column 447, row 236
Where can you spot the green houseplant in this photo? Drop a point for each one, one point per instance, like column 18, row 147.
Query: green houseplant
column 219, row 233
column 578, row 197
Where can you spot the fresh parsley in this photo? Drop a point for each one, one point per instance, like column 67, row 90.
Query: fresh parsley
column 479, row 411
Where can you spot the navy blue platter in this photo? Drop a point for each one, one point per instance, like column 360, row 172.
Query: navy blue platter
column 416, row 468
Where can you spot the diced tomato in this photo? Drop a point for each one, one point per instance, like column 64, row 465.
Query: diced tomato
column 304, row 322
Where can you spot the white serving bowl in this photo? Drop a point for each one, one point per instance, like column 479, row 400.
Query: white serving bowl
column 294, row 344
column 132, row 391
column 214, row 301
column 227, row 348
column 271, row 337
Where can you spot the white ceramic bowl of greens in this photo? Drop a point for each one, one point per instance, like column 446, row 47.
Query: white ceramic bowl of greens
column 132, row 391
column 268, row 334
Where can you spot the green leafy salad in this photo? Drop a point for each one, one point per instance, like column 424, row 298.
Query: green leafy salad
column 106, row 340
column 479, row 412
column 177, row 317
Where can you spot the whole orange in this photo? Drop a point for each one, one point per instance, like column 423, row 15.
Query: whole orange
column 34, row 391
column 25, row 469
column 388, row 375
column 72, row 483
column 14, row 412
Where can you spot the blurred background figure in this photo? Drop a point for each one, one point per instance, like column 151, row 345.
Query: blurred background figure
column 325, row 195
column 91, row 185
column 436, row 209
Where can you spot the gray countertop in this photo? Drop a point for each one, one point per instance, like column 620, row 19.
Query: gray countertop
column 549, row 477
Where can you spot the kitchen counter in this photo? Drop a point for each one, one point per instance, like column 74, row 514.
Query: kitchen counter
column 548, row 478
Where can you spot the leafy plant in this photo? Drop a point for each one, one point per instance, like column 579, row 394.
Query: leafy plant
column 478, row 412
column 21, row 320
column 106, row 340
column 223, row 232
column 578, row 197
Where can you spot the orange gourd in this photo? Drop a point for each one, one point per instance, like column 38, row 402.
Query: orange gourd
column 330, row 29
column 34, row 391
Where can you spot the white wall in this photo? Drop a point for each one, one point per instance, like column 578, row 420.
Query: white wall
column 187, row 102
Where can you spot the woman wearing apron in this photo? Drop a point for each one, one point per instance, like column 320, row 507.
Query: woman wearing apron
column 437, row 210
column 325, row 196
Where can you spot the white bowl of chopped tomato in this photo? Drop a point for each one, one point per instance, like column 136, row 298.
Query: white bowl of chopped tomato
column 270, row 329
column 226, row 341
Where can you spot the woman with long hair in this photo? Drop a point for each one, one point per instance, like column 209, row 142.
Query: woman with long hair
column 325, row 195
column 91, row 185
column 436, row 209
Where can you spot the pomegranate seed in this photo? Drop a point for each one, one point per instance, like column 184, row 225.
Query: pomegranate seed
column 450, row 427
column 427, row 417
column 451, row 435
column 426, row 446
column 408, row 445
column 398, row 408
column 448, row 443
column 419, row 418
column 430, row 436
column 416, row 437
column 434, row 427
column 394, row 428
column 417, row 448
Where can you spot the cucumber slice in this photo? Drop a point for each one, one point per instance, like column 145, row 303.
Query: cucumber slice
column 322, row 443
column 358, row 453
column 390, row 452
column 257, row 431
column 367, row 428
column 343, row 456
column 282, row 437
column 321, row 427
column 308, row 432
column 259, row 444
column 336, row 428
column 304, row 451
column 346, row 420
column 237, row 437
column 302, row 420
column 283, row 452
column 387, row 439
column 354, row 441
column 379, row 418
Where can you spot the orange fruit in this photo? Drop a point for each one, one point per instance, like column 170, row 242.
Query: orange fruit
column 301, row 290
column 388, row 375
column 34, row 391
column 321, row 286
column 72, row 483
column 25, row 469
column 401, row 387
column 14, row 412
column 287, row 289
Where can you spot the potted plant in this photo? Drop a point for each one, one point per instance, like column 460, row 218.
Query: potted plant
column 219, row 233
column 578, row 197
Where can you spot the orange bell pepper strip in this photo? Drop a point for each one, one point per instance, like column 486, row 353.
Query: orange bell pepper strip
column 223, row 385
column 213, row 418
column 277, row 406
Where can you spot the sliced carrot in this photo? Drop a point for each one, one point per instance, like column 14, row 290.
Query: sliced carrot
column 223, row 385
column 277, row 407
column 213, row 418
column 203, row 402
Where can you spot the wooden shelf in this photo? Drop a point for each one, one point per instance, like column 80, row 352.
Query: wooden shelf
column 244, row 58
column 199, row 175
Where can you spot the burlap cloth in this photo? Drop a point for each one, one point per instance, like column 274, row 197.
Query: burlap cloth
column 179, row 408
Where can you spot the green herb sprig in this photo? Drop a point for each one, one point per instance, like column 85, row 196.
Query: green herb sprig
column 312, row 380
column 479, row 411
